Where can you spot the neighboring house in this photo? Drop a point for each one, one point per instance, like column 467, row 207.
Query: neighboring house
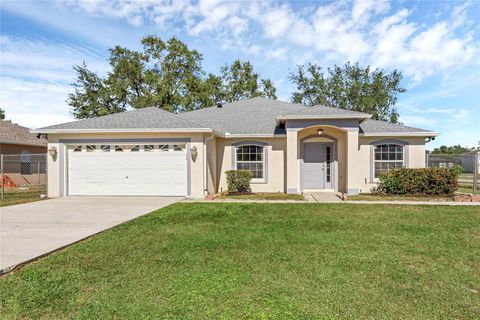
column 18, row 144
column 288, row 147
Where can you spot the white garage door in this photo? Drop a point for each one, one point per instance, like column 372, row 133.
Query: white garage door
column 136, row 170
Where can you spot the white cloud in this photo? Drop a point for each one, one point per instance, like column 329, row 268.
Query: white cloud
column 362, row 9
column 35, row 78
column 34, row 104
column 362, row 30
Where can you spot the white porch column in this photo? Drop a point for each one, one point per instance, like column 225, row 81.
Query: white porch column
column 293, row 169
column 354, row 168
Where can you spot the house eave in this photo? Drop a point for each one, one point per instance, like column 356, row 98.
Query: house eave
column 228, row 135
column 319, row 117
column 134, row 130
column 400, row 134
column 40, row 145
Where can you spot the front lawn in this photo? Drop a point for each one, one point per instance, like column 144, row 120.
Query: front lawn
column 263, row 261
column 263, row 196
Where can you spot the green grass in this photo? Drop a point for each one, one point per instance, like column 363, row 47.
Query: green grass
column 380, row 197
column 263, row 261
column 263, row 196
column 18, row 196
column 467, row 189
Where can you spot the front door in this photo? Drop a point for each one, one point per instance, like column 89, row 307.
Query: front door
column 317, row 165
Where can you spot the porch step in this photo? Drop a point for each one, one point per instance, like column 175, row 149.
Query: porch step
column 325, row 197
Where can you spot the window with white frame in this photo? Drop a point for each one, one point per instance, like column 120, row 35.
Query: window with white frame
column 252, row 158
column 387, row 157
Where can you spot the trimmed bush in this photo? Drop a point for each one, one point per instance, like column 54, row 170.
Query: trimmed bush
column 238, row 181
column 424, row 181
column 457, row 170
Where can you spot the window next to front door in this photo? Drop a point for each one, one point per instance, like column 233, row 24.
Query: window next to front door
column 251, row 157
column 388, row 155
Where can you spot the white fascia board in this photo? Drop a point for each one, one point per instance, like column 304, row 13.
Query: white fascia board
column 141, row 130
column 338, row 116
column 252, row 135
column 400, row 134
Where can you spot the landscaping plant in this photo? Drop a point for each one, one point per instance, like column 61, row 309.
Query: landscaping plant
column 419, row 181
column 238, row 181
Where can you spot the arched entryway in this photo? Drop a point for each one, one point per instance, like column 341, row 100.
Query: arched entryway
column 319, row 163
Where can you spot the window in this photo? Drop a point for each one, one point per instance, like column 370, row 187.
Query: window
column 135, row 149
column 177, row 147
column 91, row 148
column 78, row 149
column 148, row 147
column 118, row 149
column 251, row 157
column 25, row 166
column 163, row 147
column 329, row 164
column 387, row 157
column 105, row 147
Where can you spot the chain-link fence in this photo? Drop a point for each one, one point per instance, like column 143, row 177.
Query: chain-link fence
column 23, row 174
column 469, row 179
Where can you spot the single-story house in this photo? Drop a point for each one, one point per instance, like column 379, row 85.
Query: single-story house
column 288, row 147
column 20, row 148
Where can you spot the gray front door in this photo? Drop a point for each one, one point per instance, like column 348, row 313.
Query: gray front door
column 316, row 167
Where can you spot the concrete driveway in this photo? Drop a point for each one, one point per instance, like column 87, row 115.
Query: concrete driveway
column 28, row 231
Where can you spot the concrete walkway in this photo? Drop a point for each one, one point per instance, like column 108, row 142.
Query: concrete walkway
column 28, row 231
column 324, row 197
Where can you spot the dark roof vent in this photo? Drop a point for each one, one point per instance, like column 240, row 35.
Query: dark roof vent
column 219, row 104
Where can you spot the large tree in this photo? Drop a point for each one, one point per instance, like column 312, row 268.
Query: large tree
column 349, row 87
column 240, row 81
column 167, row 75
column 164, row 74
column 456, row 149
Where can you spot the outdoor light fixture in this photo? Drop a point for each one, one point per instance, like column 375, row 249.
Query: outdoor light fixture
column 194, row 153
column 320, row 132
column 53, row 153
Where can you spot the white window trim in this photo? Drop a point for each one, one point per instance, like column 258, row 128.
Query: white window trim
column 264, row 147
column 373, row 144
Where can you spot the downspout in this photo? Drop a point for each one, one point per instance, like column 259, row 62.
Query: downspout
column 205, row 178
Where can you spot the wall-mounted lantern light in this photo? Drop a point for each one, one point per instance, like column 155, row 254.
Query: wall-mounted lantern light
column 53, row 153
column 194, row 153
column 320, row 132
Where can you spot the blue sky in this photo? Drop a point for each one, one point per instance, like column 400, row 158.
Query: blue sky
column 435, row 44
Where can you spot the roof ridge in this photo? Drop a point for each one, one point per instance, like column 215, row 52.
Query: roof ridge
column 337, row 108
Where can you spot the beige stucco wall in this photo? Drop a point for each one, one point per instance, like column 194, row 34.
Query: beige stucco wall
column 354, row 157
column 57, row 170
column 283, row 173
column 211, row 146
column 362, row 177
column 276, row 163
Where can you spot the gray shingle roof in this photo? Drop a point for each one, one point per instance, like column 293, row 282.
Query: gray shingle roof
column 251, row 116
column 376, row 126
column 11, row 133
column 146, row 118
column 320, row 110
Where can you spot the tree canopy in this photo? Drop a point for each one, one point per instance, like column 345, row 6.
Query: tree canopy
column 167, row 75
column 456, row 149
column 349, row 87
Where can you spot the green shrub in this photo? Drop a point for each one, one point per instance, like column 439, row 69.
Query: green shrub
column 238, row 181
column 422, row 181
column 457, row 170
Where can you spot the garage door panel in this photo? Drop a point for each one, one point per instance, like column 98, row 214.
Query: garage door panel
column 127, row 173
